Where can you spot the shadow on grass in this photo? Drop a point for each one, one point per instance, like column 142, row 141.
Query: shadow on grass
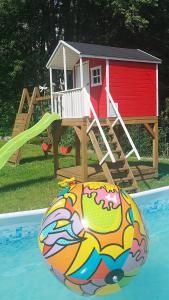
column 42, row 157
column 142, row 178
column 138, row 163
column 33, row 158
column 163, row 169
column 13, row 186
column 163, row 172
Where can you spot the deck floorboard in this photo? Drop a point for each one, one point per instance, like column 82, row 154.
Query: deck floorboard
column 95, row 173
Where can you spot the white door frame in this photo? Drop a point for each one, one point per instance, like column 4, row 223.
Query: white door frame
column 108, row 87
column 88, row 86
column 65, row 68
column 78, row 65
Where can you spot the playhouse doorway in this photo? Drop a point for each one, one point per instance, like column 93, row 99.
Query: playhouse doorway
column 111, row 109
column 86, row 80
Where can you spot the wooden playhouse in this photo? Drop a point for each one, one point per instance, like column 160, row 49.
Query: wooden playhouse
column 109, row 86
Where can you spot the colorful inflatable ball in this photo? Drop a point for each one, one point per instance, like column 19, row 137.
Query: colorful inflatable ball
column 93, row 238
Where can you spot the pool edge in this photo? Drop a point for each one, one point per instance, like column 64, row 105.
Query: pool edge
column 41, row 211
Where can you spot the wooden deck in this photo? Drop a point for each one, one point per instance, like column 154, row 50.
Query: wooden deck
column 95, row 173
column 117, row 172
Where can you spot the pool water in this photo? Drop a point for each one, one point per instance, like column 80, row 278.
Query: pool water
column 25, row 276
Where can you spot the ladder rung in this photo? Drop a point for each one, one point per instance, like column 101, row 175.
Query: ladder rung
column 113, row 151
column 114, row 123
column 121, row 180
column 109, row 134
column 119, row 170
column 103, row 159
column 130, row 189
column 120, row 160
column 129, row 153
column 110, row 142
column 90, row 126
column 116, row 151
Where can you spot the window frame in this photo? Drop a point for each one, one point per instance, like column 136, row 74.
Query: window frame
column 92, row 76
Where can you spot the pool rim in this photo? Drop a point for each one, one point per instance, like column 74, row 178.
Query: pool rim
column 41, row 211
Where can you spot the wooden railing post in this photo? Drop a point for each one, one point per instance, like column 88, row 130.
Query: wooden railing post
column 77, row 149
column 56, row 131
column 84, row 140
column 155, row 146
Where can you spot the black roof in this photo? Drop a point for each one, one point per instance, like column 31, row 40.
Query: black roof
column 114, row 52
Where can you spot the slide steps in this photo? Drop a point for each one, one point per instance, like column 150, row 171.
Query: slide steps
column 19, row 126
column 20, row 139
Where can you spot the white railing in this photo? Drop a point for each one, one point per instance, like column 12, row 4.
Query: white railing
column 120, row 120
column 102, row 134
column 70, row 103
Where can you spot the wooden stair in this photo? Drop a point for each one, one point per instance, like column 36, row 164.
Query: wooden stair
column 118, row 172
column 23, row 119
column 99, row 154
column 19, row 126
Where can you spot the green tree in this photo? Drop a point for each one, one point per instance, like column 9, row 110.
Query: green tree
column 27, row 38
column 30, row 30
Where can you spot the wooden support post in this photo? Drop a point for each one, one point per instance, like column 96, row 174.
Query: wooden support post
column 78, row 131
column 77, row 149
column 84, row 152
column 149, row 129
column 25, row 97
column 35, row 94
column 56, row 134
column 155, row 146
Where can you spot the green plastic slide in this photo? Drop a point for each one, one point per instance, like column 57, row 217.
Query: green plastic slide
column 18, row 141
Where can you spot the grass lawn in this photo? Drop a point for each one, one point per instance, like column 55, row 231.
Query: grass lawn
column 31, row 185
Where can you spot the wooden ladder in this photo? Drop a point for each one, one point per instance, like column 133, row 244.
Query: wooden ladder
column 23, row 119
column 121, row 171
column 118, row 172
column 96, row 145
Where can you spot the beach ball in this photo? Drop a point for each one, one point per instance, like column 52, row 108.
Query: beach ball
column 93, row 238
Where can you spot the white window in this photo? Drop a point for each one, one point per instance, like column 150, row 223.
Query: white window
column 96, row 76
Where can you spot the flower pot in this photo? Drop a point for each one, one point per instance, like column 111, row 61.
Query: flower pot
column 46, row 147
column 65, row 150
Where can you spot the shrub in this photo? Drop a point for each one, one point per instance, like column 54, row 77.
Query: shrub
column 68, row 138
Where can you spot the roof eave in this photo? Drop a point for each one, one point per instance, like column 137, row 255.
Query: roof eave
column 154, row 57
column 50, row 59
column 61, row 42
column 122, row 59
column 70, row 47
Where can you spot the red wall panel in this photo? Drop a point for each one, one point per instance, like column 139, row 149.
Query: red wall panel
column 133, row 87
column 98, row 93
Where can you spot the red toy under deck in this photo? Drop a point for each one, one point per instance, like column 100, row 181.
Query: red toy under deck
column 132, row 85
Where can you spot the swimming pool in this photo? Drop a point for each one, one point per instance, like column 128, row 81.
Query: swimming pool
column 24, row 274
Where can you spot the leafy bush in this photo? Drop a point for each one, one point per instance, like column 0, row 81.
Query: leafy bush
column 68, row 138
column 141, row 139
column 164, row 131
column 7, row 117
